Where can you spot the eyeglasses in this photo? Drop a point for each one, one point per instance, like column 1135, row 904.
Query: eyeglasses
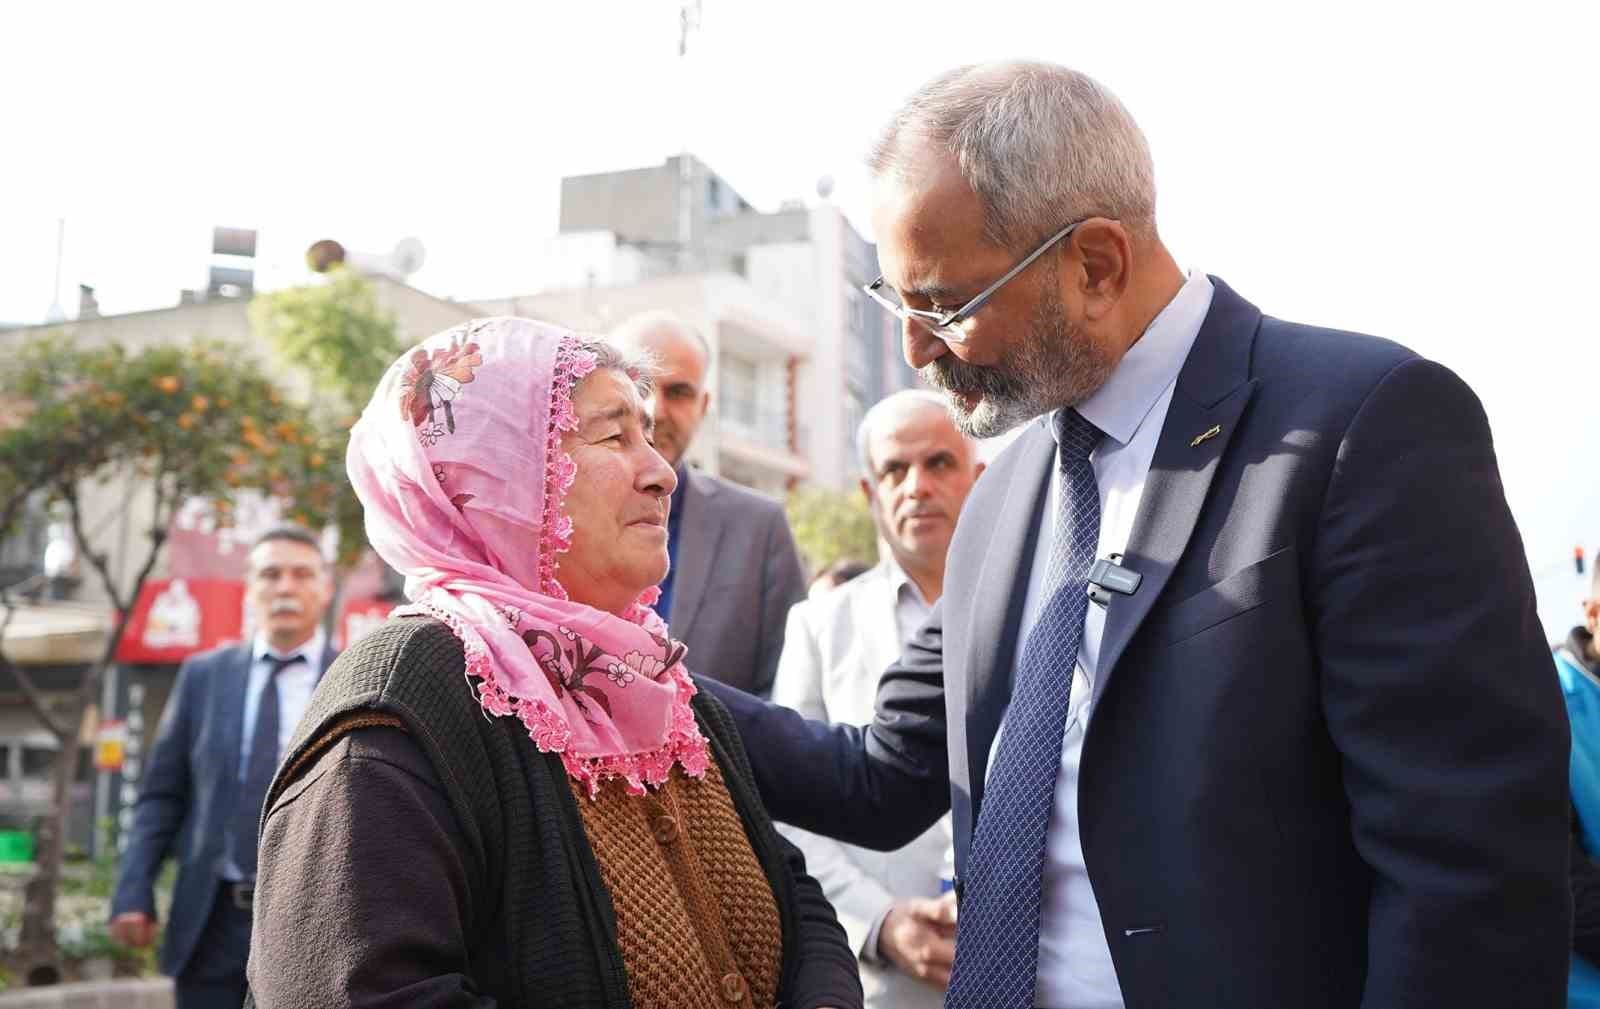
column 947, row 325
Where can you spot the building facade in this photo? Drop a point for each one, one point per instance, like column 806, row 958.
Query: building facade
column 805, row 353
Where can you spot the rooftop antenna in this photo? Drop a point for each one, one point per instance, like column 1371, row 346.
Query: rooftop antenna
column 688, row 24
column 57, row 313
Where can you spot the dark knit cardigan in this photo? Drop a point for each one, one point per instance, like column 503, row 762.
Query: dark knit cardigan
column 542, row 931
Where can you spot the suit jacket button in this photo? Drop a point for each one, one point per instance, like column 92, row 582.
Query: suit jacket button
column 733, row 988
column 665, row 829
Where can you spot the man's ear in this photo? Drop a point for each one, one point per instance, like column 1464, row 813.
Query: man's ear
column 1105, row 252
column 705, row 403
column 977, row 470
column 1591, row 614
column 866, row 491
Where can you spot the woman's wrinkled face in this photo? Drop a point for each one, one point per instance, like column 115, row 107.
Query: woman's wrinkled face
column 618, row 502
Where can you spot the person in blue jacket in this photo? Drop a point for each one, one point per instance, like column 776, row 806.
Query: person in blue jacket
column 1578, row 665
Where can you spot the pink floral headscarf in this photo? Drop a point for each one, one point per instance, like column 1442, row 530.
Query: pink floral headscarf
column 458, row 463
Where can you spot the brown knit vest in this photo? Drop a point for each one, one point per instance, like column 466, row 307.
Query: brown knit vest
column 696, row 920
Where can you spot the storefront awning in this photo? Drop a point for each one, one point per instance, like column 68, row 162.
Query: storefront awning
column 50, row 634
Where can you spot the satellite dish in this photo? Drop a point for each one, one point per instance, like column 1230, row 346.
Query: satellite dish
column 825, row 186
column 407, row 257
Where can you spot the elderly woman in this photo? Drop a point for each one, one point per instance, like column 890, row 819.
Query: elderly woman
column 512, row 793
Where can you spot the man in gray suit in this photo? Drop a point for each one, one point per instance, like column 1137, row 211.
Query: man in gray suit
column 735, row 571
column 225, row 725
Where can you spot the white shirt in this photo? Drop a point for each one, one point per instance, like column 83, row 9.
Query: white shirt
column 1075, row 967
column 910, row 609
column 295, row 686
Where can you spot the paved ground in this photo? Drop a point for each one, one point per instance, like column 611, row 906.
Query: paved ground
column 145, row 993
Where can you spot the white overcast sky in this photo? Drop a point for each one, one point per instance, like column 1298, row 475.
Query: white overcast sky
column 1423, row 171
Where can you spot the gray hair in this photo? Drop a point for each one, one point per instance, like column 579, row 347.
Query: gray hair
column 1042, row 146
column 894, row 405
column 639, row 366
column 643, row 324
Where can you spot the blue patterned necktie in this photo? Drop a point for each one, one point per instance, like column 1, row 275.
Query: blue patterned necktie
column 997, row 948
column 259, row 768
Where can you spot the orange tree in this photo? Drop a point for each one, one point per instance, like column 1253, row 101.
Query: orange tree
column 335, row 332
column 152, row 428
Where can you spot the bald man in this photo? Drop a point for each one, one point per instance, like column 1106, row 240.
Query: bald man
column 735, row 570
column 917, row 470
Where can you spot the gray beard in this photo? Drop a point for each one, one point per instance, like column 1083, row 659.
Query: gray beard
column 1053, row 367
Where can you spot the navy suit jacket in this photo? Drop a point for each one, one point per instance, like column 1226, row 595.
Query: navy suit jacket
column 1327, row 765
column 187, row 795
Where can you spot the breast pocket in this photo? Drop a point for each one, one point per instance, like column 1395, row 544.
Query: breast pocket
column 1273, row 579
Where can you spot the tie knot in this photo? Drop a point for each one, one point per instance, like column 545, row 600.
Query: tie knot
column 1075, row 436
column 276, row 664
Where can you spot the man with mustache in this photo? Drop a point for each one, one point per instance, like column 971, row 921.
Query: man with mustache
column 231, row 713
column 735, row 570
column 1237, row 687
column 917, row 471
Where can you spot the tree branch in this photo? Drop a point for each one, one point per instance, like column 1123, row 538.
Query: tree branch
column 69, row 494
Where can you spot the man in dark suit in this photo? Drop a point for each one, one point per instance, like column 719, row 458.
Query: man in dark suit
column 230, row 714
column 1302, row 747
column 735, row 570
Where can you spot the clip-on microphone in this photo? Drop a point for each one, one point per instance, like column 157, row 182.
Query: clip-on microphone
column 1108, row 576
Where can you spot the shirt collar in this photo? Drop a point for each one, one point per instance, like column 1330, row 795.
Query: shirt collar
column 312, row 649
column 898, row 579
column 1119, row 407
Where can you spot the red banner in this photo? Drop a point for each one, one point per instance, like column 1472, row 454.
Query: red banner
column 360, row 617
column 176, row 617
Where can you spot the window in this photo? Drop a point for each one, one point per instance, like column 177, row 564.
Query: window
column 36, row 763
column 739, row 390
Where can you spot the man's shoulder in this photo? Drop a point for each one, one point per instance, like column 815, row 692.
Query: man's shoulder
column 734, row 499
column 216, row 658
column 1293, row 353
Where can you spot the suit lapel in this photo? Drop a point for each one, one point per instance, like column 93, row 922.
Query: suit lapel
column 697, row 545
column 1002, row 588
column 1212, row 392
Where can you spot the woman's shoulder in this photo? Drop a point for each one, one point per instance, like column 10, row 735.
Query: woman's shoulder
column 727, row 745
column 403, row 674
column 406, row 640
column 714, row 717
column 413, row 663
column 355, row 752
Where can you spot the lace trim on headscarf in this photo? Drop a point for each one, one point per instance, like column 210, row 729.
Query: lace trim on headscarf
column 573, row 364
column 548, row 728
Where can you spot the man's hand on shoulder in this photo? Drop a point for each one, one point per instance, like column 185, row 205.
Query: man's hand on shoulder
column 919, row 937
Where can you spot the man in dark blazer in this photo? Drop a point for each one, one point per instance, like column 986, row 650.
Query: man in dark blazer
column 735, row 570
column 1305, row 748
column 217, row 747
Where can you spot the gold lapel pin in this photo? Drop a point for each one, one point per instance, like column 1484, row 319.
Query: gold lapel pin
column 1216, row 429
